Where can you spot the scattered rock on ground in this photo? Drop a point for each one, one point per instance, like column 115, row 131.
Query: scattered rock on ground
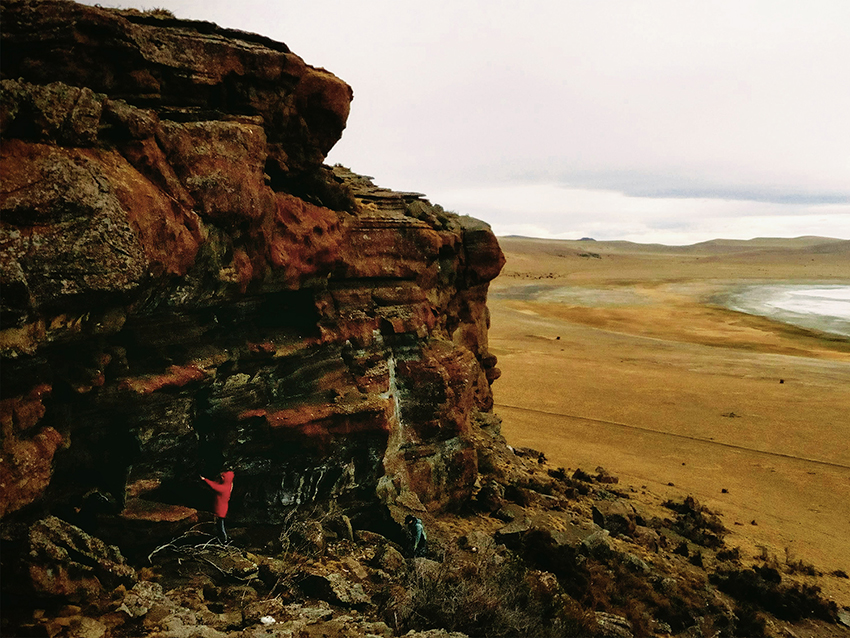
column 613, row 626
column 617, row 516
column 66, row 562
column 335, row 588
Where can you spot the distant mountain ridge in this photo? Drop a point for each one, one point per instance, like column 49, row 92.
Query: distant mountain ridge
column 713, row 246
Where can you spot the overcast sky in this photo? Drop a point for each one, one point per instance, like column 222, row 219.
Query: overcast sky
column 671, row 121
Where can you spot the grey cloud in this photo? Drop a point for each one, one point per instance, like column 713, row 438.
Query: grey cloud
column 740, row 124
column 653, row 185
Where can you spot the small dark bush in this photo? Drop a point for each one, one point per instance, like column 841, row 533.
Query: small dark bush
column 763, row 588
column 581, row 475
column 797, row 566
column 159, row 12
column 697, row 523
column 615, row 588
column 581, row 488
column 768, row 574
column 729, row 554
column 559, row 474
column 748, row 622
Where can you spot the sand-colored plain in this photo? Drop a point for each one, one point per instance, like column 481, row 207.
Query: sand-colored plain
column 619, row 355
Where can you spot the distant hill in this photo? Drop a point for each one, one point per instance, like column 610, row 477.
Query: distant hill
column 799, row 259
column 819, row 245
column 762, row 243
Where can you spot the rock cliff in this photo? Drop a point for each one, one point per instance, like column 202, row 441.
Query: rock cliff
column 186, row 285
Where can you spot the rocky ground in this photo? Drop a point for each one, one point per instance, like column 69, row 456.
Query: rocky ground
column 538, row 551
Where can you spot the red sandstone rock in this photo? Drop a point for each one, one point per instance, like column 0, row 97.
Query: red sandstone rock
column 67, row 563
column 302, row 240
column 26, row 468
column 196, row 287
column 179, row 64
column 175, row 376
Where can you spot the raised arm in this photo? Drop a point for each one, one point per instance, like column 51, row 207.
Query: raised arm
column 218, row 487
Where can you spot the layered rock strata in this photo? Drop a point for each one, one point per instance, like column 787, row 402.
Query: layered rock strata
column 186, row 285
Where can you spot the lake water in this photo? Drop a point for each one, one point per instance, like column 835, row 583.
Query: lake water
column 818, row 307
column 823, row 307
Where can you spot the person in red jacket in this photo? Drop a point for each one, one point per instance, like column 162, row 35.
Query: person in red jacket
column 221, row 500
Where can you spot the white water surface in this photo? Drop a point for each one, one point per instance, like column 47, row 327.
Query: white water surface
column 817, row 307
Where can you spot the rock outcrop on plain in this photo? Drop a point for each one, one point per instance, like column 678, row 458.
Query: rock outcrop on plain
column 186, row 285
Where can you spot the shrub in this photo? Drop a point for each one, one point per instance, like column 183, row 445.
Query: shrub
column 159, row 12
column 763, row 587
column 748, row 622
column 485, row 594
column 606, row 581
column 613, row 587
column 733, row 554
column 797, row 566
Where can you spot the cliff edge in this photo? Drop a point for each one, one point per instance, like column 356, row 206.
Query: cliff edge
column 186, row 285
column 187, row 288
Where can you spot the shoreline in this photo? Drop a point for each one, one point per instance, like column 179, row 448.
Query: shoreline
column 693, row 311
column 765, row 300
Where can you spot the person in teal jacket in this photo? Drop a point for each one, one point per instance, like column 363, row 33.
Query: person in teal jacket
column 417, row 535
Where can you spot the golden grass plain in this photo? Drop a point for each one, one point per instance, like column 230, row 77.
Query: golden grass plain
column 620, row 355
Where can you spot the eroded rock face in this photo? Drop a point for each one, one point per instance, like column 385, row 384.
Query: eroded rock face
column 185, row 285
column 67, row 563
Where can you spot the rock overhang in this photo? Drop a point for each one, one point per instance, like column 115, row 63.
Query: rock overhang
column 193, row 286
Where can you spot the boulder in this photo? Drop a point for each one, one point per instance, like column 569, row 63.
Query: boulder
column 510, row 512
column 617, row 516
column 844, row 617
column 613, row 626
column 389, row 559
column 141, row 598
column 378, row 542
column 232, row 564
column 333, row 587
column 66, row 562
column 511, row 534
column 598, row 544
column 491, row 496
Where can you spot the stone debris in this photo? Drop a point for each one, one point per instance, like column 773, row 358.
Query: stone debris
column 613, row 626
column 65, row 561
column 335, row 588
column 617, row 516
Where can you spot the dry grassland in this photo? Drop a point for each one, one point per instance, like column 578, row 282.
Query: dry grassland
column 620, row 355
